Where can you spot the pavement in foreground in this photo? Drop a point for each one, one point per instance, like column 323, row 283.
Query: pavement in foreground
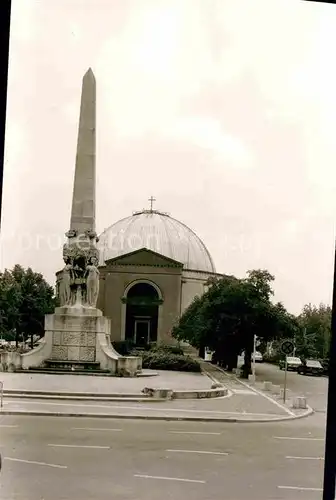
column 69, row 458
column 243, row 406
column 242, row 403
column 104, row 385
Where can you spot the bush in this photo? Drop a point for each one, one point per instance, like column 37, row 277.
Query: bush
column 160, row 360
column 169, row 349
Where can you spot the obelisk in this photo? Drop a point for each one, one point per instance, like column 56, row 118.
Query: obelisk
column 77, row 334
column 80, row 281
column 83, row 211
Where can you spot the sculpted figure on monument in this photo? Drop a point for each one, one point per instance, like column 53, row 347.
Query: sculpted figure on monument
column 92, row 282
column 65, row 286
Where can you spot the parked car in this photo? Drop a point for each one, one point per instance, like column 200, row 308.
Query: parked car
column 293, row 363
column 325, row 364
column 310, row 367
column 258, row 357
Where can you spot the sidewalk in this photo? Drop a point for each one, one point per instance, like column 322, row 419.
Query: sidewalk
column 239, row 386
column 242, row 404
column 103, row 385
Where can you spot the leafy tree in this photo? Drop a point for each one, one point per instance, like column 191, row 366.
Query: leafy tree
column 25, row 298
column 9, row 302
column 231, row 312
column 313, row 339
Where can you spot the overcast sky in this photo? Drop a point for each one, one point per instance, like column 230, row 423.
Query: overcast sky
column 224, row 110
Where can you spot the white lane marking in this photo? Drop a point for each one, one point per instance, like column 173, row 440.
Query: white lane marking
column 170, row 478
column 36, row 463
column 191, row 432
column 8, row 426
column 298, row 438
column 138, row 407
column 299, row 488
column 79, row 446
column 305, row 458
column 201, row 452
column 94, row 429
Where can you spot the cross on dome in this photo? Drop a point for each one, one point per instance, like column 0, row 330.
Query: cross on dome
column 150, row 210
column 151, row 200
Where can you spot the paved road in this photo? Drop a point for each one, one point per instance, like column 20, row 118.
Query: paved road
column 70, row 458
column 314, row 388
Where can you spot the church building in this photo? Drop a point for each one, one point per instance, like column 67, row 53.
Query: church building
column 151, row 268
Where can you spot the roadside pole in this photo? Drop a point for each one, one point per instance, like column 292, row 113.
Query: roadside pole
column 1, row 395
column 254, row 356
column 287, row 348
column 285, row 381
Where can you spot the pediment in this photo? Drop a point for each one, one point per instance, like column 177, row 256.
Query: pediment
column 143, row 257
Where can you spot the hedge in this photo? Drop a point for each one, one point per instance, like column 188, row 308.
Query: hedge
column 168, row 349
column 160, row 360
column 126, row 347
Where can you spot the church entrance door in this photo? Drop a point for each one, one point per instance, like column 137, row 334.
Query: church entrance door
column 141, row 332
column 142, row 309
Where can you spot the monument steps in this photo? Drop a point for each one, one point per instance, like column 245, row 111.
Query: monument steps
column 66, row 371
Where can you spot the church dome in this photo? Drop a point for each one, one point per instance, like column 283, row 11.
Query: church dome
column 158, row 232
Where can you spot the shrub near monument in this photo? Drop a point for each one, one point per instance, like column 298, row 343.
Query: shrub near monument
column 163, row 360
column 160, row 357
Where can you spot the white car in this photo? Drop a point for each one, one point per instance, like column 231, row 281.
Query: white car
column 293, row 363
column 258, row 357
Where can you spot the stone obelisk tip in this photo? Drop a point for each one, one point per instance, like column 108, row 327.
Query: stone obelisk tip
column 89, row 74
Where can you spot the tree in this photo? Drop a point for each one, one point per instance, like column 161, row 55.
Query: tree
column 9, row 302
column 313, row 338
column 25, row 298
column 231, row 312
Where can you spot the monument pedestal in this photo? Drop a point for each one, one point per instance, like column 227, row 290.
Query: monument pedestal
column 77, row 336
column 74, row 332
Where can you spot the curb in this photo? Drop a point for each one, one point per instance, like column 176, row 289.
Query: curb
column 151, row 417
column 201, row 394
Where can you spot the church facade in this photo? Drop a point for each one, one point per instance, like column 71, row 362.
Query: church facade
column 151, row 268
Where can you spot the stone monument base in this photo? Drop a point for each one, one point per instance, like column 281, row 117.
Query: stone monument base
column 75, row 336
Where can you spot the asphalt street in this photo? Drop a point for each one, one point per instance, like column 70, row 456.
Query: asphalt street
column 69, row 458
column 52, row 458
